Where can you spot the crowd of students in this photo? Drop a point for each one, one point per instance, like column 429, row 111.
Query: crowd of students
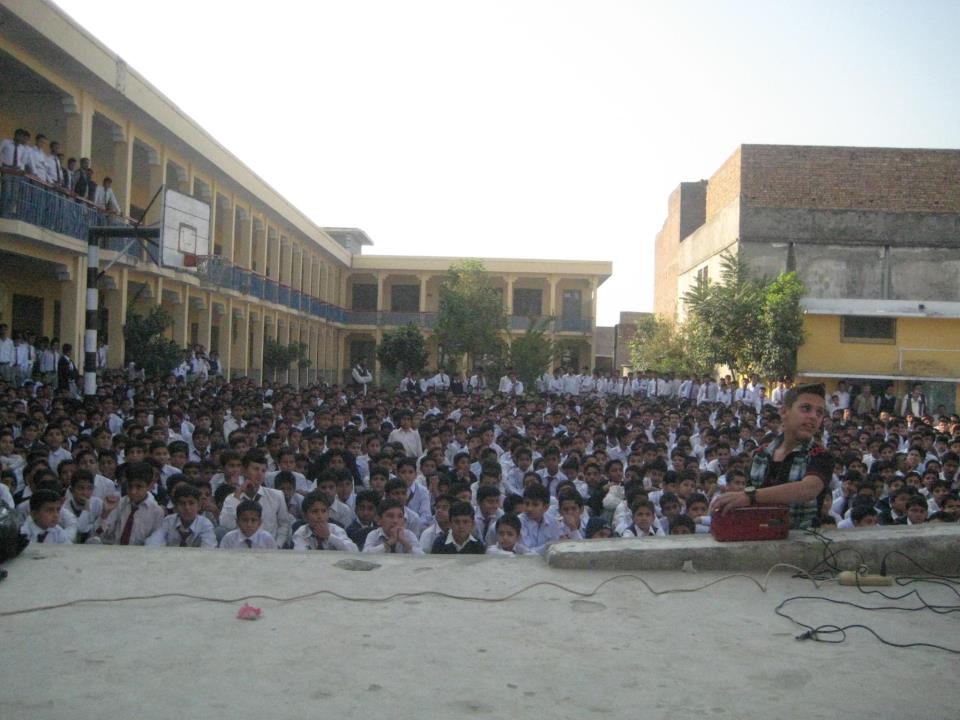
column 202, row 462
column 42, row 160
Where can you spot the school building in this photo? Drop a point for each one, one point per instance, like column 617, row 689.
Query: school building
column 873, row 233
column 269, row 271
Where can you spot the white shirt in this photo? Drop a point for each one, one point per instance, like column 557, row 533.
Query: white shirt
column 440, row 381
column 105, row 199
column 54, row 536
column 8, row 150
column 200, row 533
column 305, row 539
column 260, row 540
column 75, row 519
column 275, row 518
column 376, row 543
column 7, row 351
column 146, row 520
column 410, row 439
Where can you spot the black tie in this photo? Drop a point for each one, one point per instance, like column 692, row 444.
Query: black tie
column 248, row 542
column 184, row 537
column 42, row 536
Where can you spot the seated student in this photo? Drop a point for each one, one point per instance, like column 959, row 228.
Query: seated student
column 366, row 522
column 950, row 508
column 379, row 477
column 917, row 510
column 285, row 482
column 391, row 536
column 135, row 517
column 318, row 533
column 697, row 511
column 232, row 463
column 248, row 533
column 598, row 528
column 644, row 513
column 862, row 514
column 939, row 490
column 538, row 528
column 274, row 516
column 593, row 479
column 459, row 539
column 287, row 462
column 622, row 517
column 508, row 538
column 81, row 507
column 340, row 513
column 346, row 490
column 398, row 491
column 186, row 527
column 571, row 514
column 488, row 512
column 896, row 514
column 418, row 497
column 669, row 510
column 441, row 522
column 42, row 525
column 682, row 525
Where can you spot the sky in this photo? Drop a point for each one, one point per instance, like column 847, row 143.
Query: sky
column 533, row 128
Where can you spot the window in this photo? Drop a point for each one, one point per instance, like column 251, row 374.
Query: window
column 703, row 275
column 527, row 302
column 365, row 296
column 862, row 328
column 405, row 298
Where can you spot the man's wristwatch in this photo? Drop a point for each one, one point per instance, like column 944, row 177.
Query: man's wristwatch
column 751, row 492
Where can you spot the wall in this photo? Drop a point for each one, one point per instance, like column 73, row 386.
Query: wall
column 893, row 179
column 724, row 185
column 824, row 351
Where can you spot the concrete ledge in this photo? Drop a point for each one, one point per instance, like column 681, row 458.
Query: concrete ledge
column 936, row 547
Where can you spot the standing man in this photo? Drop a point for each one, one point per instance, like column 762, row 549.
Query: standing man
column 7, row 355
column 792, row 470
column 362, row 376
column 914, row 402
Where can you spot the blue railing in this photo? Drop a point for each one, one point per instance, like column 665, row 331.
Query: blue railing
column 27, row 200
column 295, row 299
column 270, row 288
column 256, row 285
column 522, row 322
column 574, row 324
column 241, row 280
column 283, row 295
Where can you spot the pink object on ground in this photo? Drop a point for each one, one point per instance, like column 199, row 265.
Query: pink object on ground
column 248, row 612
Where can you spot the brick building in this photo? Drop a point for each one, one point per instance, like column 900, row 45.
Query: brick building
column 874, row 234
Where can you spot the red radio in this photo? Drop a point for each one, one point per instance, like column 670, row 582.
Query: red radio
column 766, row 522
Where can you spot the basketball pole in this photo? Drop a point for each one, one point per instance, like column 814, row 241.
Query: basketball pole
column 94, row 235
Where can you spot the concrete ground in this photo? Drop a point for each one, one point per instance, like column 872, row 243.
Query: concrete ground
column 719, row 653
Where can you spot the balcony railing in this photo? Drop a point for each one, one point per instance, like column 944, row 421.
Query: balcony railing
column 270, row 290
column 31, row 201
column 571, row 324
column 522, row 322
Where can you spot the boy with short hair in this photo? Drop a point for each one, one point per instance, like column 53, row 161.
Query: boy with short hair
column 135, row 517
column 186, row 527
column 42, row 525
column 488, row 512
column 366, row 521
column 340, row 513
column 396, row 490
column 273, row 505
column 391, row 536
column 286, row 483
column 917, row 510
column 644, row 513
column 80, row 508
column 459, row 539
column 571, row 514
column 418, row 497
column 508, row 542
column 441, row 522
column 538, row 528
column 317, row 532
column 248, row 533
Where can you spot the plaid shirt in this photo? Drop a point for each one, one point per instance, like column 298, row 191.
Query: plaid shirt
column 801, row 513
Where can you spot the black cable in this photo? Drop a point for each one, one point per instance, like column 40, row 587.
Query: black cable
column 883, row 566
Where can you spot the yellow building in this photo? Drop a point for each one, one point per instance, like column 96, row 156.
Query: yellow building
column 871, row 233
column 270, row 272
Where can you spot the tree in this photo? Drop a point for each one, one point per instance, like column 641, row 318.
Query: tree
column 471, row 317
column 278, row 357
column 146, row 344
column 666, row 346
column 750, row 325
column 403, row 349
column 531, row 353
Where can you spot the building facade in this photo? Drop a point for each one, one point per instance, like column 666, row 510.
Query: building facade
column 873, row 233
column 270, row 271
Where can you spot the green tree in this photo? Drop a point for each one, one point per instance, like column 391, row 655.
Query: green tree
column 471, row 317
column 750, row 325
column 403, row 349
column 147, row 346
column 277, row 357
column 531, row 353
column 667, row 347
column 783, row 326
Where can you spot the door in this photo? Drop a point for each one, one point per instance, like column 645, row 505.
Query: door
column 27, row 314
